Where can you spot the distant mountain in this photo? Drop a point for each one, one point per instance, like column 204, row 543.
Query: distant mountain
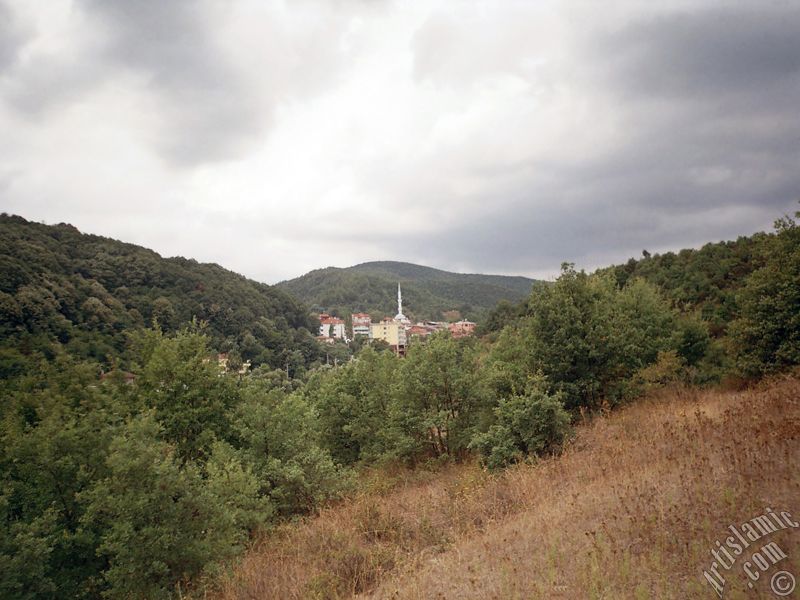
column 427, row 293
column 84, row 293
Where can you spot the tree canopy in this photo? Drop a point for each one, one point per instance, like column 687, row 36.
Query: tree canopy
column 86, row 293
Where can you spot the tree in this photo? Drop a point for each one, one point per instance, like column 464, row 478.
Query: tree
column 525, row 424
column 642, row 325
column 192, row 402
column 54, row 440
column 353, row 403
column 440, row 396
column 82, row 291
column 164, row 313
column 767, row 334
column 232, row 480
column 585, row 335
column 568, row 335
column 160, row 525
column 280, row 438
column 503, row 314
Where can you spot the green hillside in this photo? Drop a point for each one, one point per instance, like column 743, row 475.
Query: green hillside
column 702, row 281
column 82, row 293
column 427, row 293
column 705, row 280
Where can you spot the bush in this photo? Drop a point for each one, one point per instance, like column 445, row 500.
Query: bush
column 586, row 336
column 767, row 334
column 668, row 370
column 160, row 524
column 280, row 436
column 527, row 424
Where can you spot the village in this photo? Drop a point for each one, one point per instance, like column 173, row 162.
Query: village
column 397, row 331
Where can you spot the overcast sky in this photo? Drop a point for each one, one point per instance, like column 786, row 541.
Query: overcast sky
column 495, row 137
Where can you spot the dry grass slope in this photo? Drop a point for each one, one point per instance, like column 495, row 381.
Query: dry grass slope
column 631, row 510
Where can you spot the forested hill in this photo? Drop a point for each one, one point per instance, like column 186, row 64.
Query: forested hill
column 705, row 280
column 85, row 292
column 427, row 293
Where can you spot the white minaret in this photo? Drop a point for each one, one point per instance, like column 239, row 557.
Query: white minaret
column 400, row 316
column 399, row 300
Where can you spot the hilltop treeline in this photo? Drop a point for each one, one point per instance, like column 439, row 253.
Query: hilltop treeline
column 126, row 487
column 427, row 293
column 745, row 292
column 85, row 293
column 741, row 296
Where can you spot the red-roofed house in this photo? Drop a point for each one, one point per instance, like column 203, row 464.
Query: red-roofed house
column 462, row 328
column 331, row 327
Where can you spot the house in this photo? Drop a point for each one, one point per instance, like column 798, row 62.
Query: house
column 331, row 327
column 361, row 324
column 391, row 332
column 417, row 332
column 462, row 328
column 223, row 360
column 433, row 326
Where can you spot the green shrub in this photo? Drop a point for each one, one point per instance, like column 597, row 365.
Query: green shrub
column 533, row 423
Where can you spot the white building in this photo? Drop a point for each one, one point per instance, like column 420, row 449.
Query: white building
column 331, row 327
column 361, row 324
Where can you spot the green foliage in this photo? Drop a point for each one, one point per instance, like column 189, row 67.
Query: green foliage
column 692, row 340
column 353, row 403
column 703, row 281
column 503, row 314
column 56, row 430
column 192, row 402
column 58, row 286
column 25, row 554
column 160, row 524
column 380, row 407
column 127, row 487
column 739, row 302
column 669, row 369
column 441, row 395
column 531, row 423
column 231, row 479
column 586, row 336
column 281, row 439
column 767, row 334
column 132, row 484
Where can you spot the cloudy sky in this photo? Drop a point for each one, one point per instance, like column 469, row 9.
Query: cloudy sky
column 502, row 137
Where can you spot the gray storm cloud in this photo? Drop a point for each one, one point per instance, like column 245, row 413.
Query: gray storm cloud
column 11, row 38
column 716, row 53
column 207, row 109
column 478, row 136
column 711, row 143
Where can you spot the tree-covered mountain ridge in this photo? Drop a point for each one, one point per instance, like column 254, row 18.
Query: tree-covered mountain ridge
column 84, row 292
column 428, row 293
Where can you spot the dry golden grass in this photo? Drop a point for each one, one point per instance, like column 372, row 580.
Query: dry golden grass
column 631, row 509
